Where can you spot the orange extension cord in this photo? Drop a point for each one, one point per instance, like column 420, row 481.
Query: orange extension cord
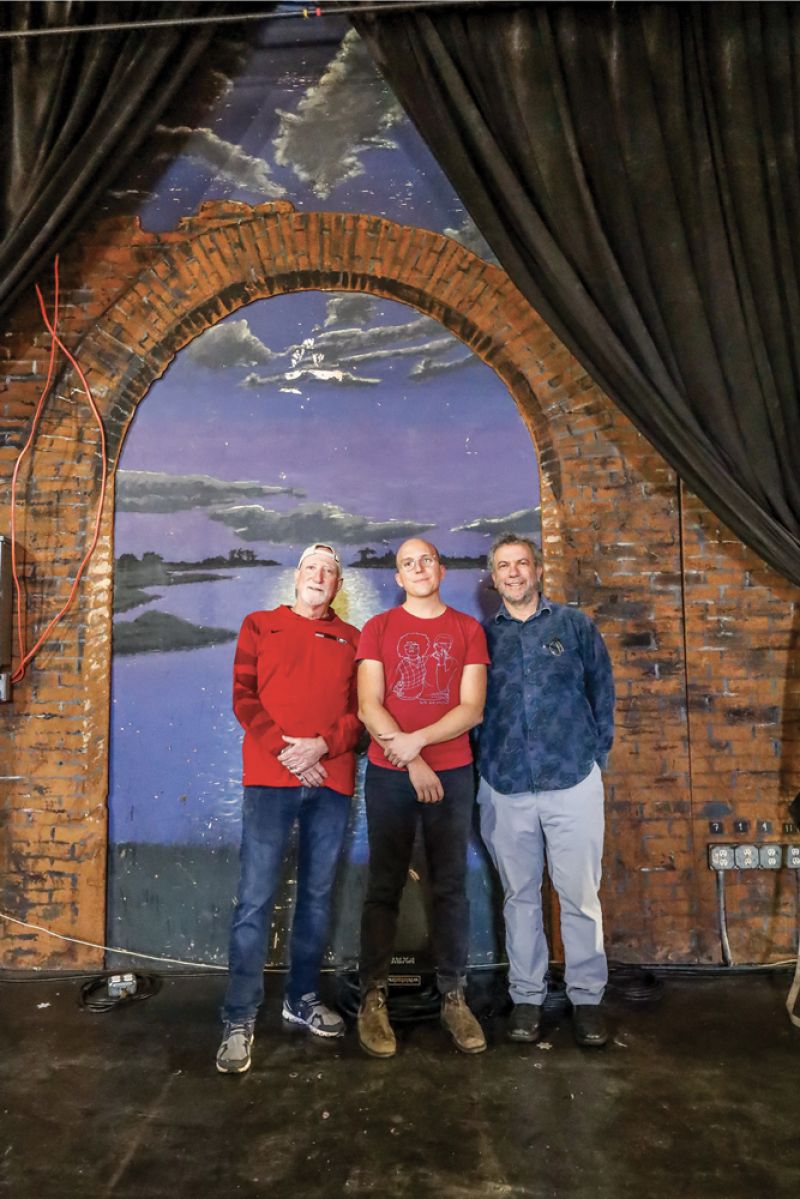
column 55, row 343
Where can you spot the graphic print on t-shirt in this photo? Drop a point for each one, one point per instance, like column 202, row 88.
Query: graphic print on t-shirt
column 424, row 671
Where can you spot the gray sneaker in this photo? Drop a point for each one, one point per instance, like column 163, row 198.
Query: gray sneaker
column 312, row 1013
column 233, row 1055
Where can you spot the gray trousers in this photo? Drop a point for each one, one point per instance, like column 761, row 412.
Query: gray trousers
column 566, row 825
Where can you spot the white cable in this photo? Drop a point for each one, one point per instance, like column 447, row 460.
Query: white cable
column 791, row 999
column 121, row 26
column 306, row 12
column 131, row 953
column 794, row 990
column 155, row 957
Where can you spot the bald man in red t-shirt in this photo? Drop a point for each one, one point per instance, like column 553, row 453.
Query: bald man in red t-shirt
column 421, row 688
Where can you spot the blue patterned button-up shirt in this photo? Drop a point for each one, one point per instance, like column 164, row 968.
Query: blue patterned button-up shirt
column 549, row 712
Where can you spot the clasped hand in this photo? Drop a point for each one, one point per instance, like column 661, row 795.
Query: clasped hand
column 301, row 755
column 402, row 748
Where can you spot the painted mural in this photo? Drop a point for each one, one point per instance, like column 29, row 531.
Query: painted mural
column 305, row 417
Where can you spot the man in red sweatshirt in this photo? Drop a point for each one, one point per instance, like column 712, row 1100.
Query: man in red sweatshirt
column 294, row 694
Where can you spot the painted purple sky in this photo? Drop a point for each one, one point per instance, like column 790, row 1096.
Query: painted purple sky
column 416, row 430
column 306, row 117
column 381, row 413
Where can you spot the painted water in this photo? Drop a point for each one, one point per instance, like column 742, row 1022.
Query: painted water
column 176, row 779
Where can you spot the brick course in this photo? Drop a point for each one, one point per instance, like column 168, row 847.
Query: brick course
column 704, row 637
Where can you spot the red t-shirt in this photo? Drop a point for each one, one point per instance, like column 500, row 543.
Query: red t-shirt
column 423, row 661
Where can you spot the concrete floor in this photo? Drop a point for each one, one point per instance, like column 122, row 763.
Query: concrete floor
column 695, row 1096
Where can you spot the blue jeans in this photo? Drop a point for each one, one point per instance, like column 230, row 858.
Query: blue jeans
column 392, row 814
column 268, row 814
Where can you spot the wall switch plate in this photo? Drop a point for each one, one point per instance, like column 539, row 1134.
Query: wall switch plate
column 789, row 827
column 741, row 826
column 716, row 827
column 764, row 826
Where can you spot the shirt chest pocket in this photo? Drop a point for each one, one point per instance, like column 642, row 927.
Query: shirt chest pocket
column 557, row 659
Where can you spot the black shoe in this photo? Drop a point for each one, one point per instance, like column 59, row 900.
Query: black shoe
column 589, row 1025
column 525, row 1023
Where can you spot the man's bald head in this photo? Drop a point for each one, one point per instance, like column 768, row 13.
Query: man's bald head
column 414, row 547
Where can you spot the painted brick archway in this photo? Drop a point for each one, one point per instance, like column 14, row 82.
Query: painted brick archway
column 603, row 546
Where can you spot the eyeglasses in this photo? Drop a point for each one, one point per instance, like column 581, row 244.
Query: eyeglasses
column 426, row 561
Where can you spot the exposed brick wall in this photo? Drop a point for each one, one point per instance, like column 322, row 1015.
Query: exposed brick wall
column 702, row 635
column 744, row 709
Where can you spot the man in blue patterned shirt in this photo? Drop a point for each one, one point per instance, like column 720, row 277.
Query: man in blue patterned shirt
column 547, row 730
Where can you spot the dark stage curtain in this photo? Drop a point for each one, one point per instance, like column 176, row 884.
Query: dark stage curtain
column 635, row 169
column 75, row 108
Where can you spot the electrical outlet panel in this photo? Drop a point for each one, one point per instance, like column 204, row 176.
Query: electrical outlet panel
column 770, row 857
column 720, row 857
column 746, row 857
column 752, row 857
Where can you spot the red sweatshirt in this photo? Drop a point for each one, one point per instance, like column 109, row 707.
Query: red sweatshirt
column 296, row 676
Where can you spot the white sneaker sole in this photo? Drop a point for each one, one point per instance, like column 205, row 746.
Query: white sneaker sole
column 291, row 1018
column 234, row 1069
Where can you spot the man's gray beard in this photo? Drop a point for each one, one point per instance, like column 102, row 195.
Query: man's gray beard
column 520, row 601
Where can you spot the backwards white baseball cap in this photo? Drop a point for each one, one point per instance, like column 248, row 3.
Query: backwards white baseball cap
column 321, row 547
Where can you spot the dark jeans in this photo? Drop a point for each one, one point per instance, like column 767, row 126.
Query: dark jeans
column 268, row 814
column 392, row 814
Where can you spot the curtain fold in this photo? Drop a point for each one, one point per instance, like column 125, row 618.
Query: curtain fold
column 76, row 108
column 634, row 167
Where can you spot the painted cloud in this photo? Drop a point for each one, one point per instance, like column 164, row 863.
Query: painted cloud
column 349, row 308
column 342, row 341
column 349, row 111
column 153, row 491
column 229, row 344
column 524, row 520
column 308, row 374
column 470, row 236
column 206, row 148
column 428, row 366
column 312, row 522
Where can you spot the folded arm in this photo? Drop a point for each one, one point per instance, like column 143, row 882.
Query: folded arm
column 379, row 723
column 402, row 748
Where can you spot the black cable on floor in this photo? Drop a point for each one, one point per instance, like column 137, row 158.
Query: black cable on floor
column 635, row 984
column 95, row 997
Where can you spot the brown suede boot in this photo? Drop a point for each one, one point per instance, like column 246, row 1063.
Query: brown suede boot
column 375, row 1034
column 459, row 1021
